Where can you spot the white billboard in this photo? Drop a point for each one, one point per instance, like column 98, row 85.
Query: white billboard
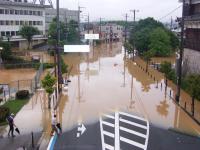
column 91, row 36
column 76, row 48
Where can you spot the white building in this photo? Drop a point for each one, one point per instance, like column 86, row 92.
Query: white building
column 16, row 13
column 111, row 32
column 65, row 16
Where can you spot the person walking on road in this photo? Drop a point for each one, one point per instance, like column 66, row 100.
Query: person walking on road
column 54, row 125
column 10, row 120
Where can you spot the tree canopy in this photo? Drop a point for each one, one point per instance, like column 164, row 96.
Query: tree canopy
column 145, row 34
column 28, row 32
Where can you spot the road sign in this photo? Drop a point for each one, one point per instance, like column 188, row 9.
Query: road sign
column 91, row 36
column 76, row 48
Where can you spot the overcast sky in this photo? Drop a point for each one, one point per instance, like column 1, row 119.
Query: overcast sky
column 115, row 9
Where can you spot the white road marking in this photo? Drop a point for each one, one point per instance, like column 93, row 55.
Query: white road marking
column 107, row 146
column 135, row 117
column 102, row 136
column 147, row 139
column 133, row 123
column 117, row 142
column 109, row 116
column 109, row 134
column 108, row 124
column 132, row 142
column 133, row 132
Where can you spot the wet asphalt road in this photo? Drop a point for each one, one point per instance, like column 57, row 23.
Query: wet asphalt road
column 132, row 136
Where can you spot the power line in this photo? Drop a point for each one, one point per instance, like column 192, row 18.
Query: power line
column 170, row 13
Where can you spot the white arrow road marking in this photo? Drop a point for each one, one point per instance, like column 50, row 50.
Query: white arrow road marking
column 81, row 129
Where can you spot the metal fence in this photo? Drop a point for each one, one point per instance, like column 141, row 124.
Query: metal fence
column 10, row 89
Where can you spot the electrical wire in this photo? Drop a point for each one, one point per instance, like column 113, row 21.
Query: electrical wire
column 170, row 13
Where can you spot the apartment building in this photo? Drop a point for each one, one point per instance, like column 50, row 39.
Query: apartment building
column 16, row 13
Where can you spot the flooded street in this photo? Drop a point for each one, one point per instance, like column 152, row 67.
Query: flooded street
column 103, row 82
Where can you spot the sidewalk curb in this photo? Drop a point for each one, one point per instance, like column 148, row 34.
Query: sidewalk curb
column 52, row 142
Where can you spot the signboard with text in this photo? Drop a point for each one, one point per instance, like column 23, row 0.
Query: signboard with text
column 76, row 48
column 91, row 36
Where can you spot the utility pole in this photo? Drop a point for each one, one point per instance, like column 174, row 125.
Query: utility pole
column 134, row 18
column 100, row 28
column 171, row 25
column 88, row 24
column 125, row 39
column 79, row 32
column 59, row 71
column 179, row 77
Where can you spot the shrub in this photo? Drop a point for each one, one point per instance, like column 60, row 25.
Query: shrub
column 4, row 112
column 23, row 94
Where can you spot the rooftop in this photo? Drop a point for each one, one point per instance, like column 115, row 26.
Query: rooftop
column 10, row 3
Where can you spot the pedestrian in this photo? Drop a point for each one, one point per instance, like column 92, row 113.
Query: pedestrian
column 10, row 120
column 54, row 125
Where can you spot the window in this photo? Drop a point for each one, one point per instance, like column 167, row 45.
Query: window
column 7, row 33
column 26, row 22
column 11, row 11
column 1, row 11
column 16, row 12
column 6, row 11
column 16, row 22
column 11, row 22
column 30, row 12
column 12, row 33
column 21, row 23
column 30, row 23
column 25, row 12
column 34, row 23
column 7, row 22
column 3, row 33
column 21, row 12
column 2, row 22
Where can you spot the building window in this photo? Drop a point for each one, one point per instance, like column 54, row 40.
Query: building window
column 1, row 11
column 7, row 33
column 21, row 12
column 11, row 11
column 12, row 33
column 16, row 22
column 6, row 11
column 3, row 33
column 30, row 12
column 21, row 23
column 2, row 22
column 16, row 12
column 30, row 23
column 7, row 22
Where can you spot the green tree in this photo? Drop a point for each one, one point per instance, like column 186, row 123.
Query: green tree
column 28, row 32
column 48, row 84
column 147, row 57
column 160, row 43
column 52, row 32
column 72, row 33
column 193, row 88
column 64, row 67
column 6, row 53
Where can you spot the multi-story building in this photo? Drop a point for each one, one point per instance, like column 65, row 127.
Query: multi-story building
column 16, row 13
column 192, row 36
column 65, row 15
column 110, row 32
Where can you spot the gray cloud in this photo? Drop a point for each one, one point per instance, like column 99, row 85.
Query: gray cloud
column 114, row 9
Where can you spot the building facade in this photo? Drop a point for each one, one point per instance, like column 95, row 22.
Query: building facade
column 16, row 13
column 192, row 36
column 66, row 15
column 110, row 32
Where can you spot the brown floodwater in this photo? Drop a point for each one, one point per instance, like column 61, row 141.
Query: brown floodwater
column 104, row 81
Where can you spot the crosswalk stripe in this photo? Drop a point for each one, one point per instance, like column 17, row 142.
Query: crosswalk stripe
column 136, row 117
column 102, row 137
column 133, row 123
column 133, row 132
column 132, row 142
column 109, row 134
column 109, row 116
column 107, row 146
column 108, row 124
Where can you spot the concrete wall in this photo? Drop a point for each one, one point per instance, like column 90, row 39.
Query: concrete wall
column 191, row 61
